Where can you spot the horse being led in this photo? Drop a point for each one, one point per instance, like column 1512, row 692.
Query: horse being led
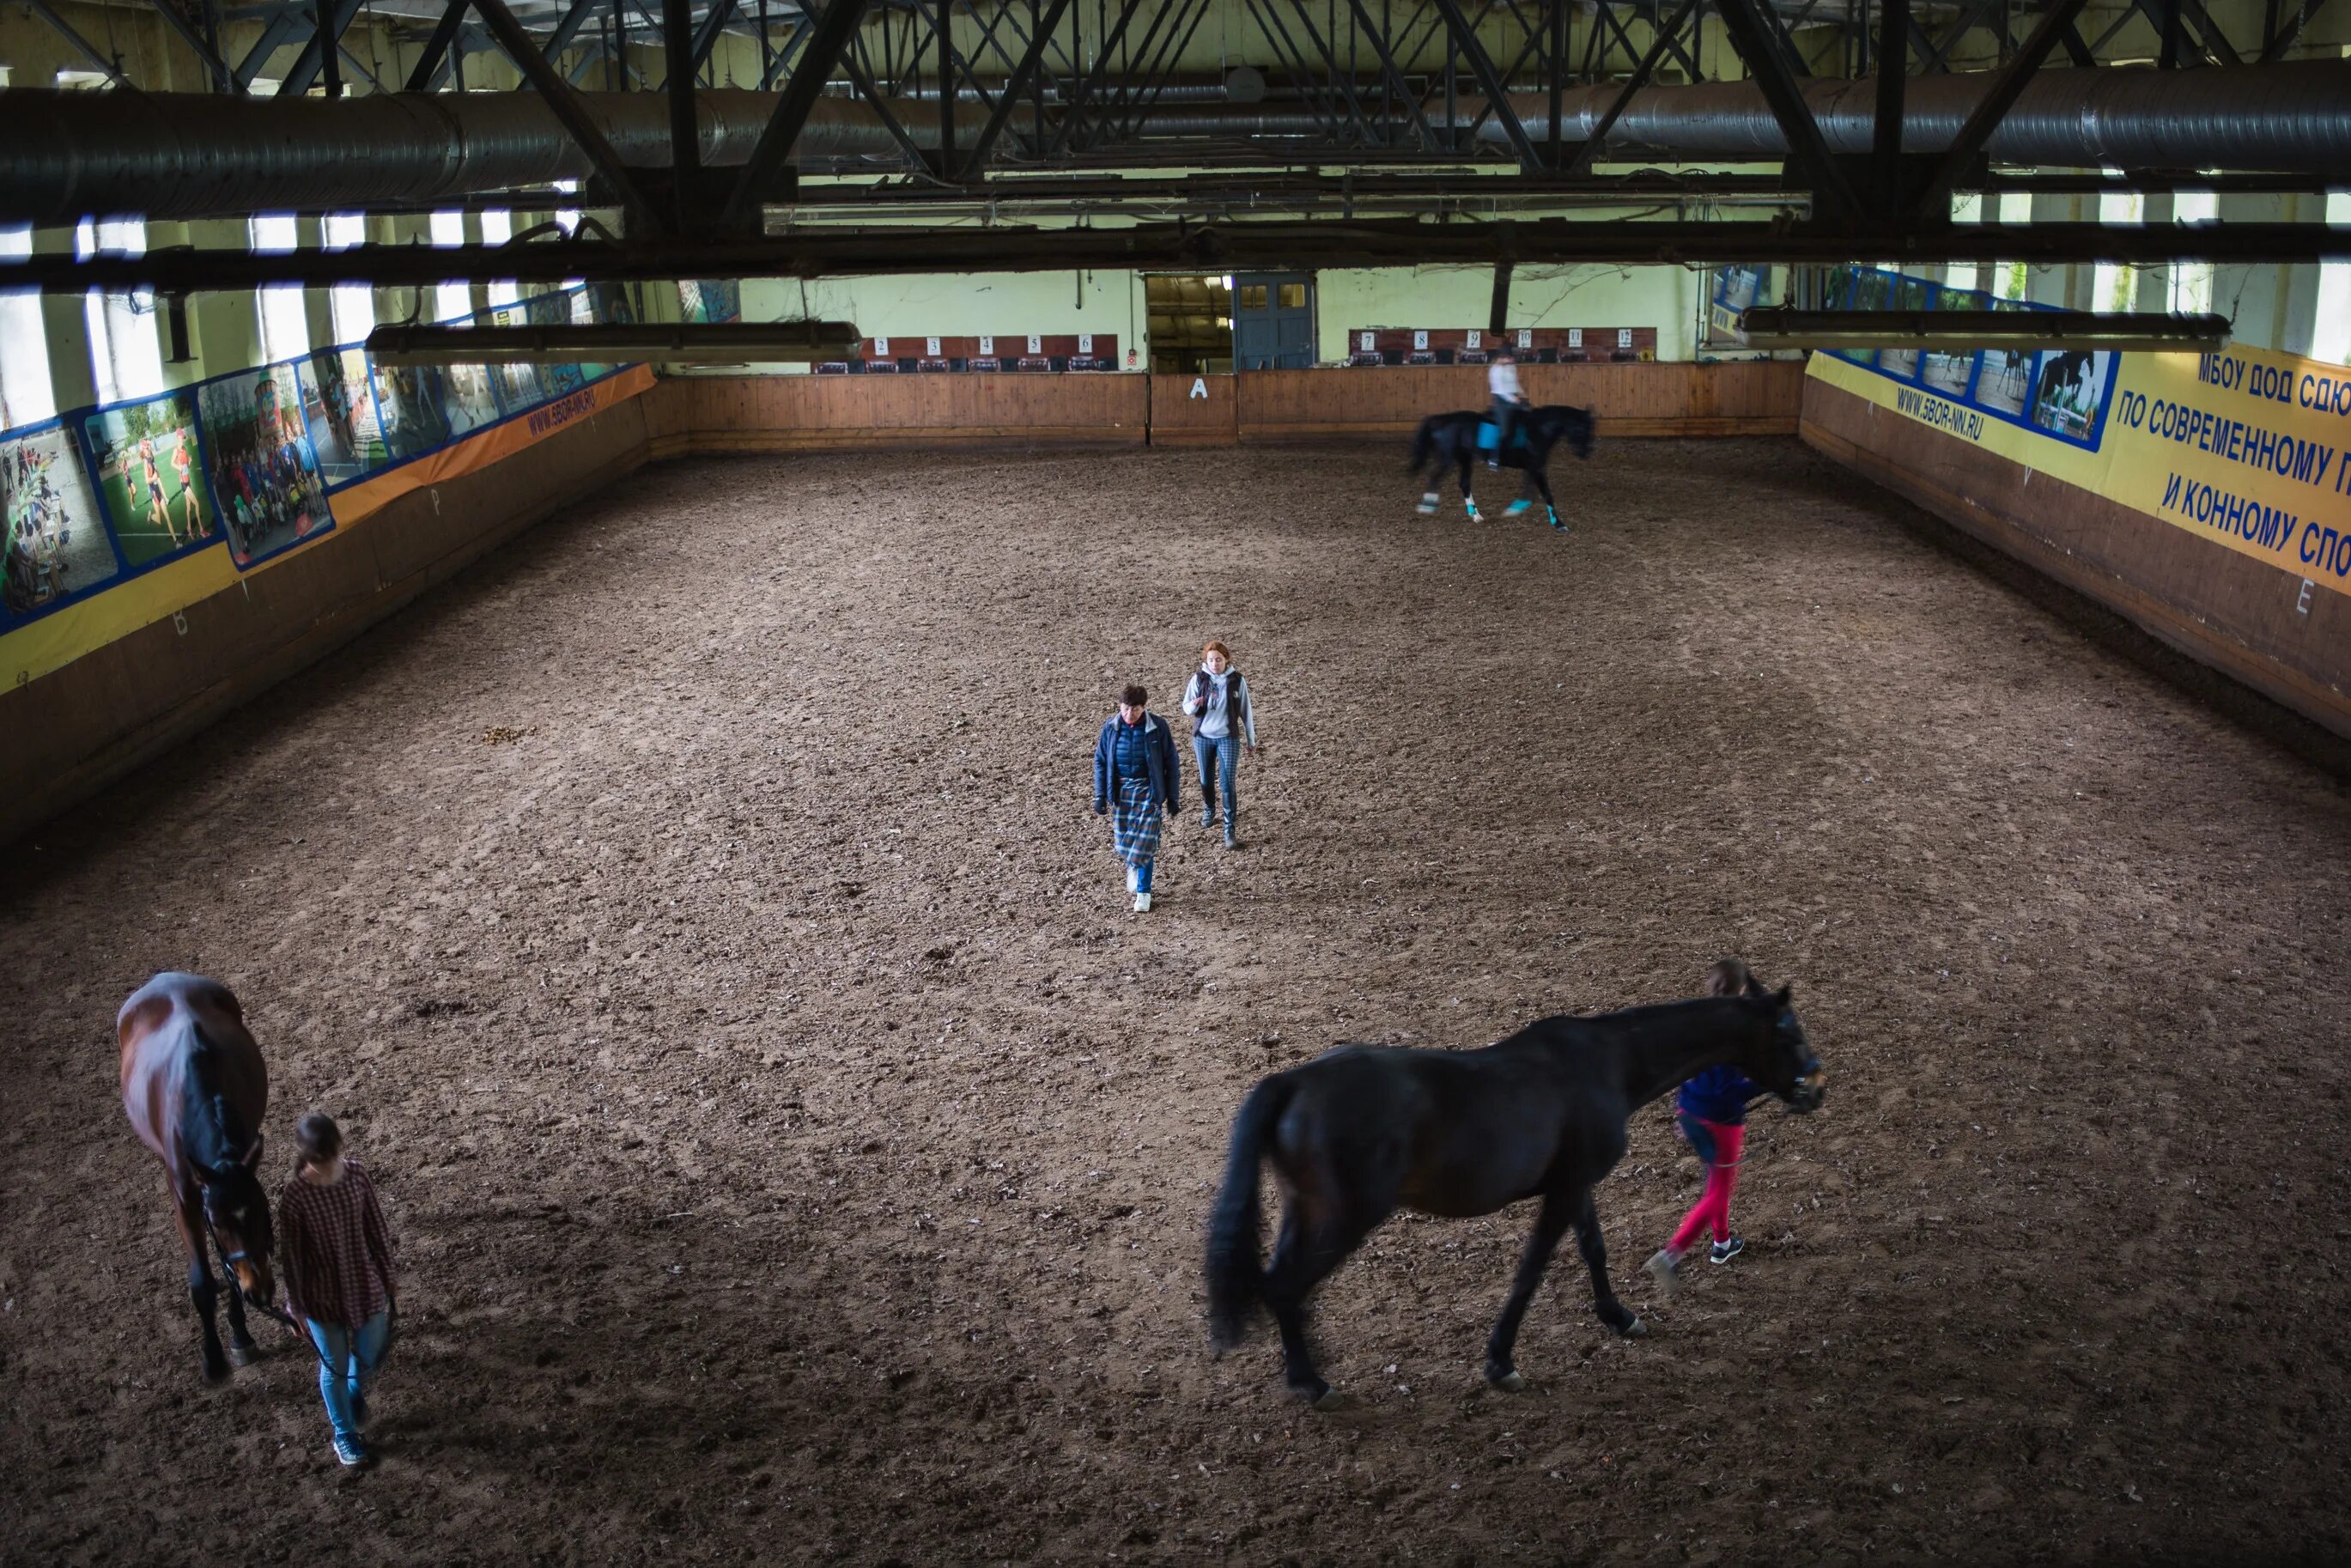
column 195, row 1088
column 1453, row 438
column 1361, row 1131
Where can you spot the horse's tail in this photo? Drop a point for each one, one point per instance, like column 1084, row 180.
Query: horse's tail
column 1236, row 1272
column 1423, row 444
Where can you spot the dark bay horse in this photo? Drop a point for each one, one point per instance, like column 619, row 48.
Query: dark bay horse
column 1361, row 1131
column 195, row 1088
column 1445, row 438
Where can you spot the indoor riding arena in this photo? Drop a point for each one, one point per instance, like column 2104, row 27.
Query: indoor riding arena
column 964, row 781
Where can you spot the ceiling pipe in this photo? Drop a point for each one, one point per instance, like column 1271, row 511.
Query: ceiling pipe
column 198, row 156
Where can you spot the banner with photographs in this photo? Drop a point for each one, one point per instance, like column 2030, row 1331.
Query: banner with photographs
column 144, row 457
column 54, row 546
column 339, row 414
column 2247, row 448
column 2063, row 393
column 261, row 462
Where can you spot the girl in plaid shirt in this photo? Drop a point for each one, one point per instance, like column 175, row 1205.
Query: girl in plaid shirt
column 339, row 1274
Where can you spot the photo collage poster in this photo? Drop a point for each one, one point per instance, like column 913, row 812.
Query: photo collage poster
column 261, row 462
column 250, row 459
column 146, row 461
column 2060, row 394
column 55, row 546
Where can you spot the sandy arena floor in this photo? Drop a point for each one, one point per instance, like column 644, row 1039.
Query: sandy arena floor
column 800, row 1152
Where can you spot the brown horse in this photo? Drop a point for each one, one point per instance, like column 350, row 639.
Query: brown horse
column 1361, row 1131
column 196, row 1090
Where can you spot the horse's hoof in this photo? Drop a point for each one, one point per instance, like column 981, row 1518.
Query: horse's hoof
column 216, row 1372
column 1508, row 1383
column 1329, row 1399
column 244, row 1354
column 1637, row 1329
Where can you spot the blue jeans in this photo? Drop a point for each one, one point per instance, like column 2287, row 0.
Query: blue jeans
column 347, row 1365
column 1219, row 756
column 1143, row 877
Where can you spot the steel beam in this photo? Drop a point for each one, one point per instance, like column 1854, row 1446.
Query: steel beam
column 828, row 37
column 1639, row 79
column 82, row 46
column 1885, row 134
column 223, row 75
column 2283, row 40
column 282, row 29
column 1014, row 86
column 1807, row 148
column 564, row 104
column 432, row 64
column 1396, row 77
column 685, row 128
column 1203, row 247
column 1481, row 65
column 331, row 17
column 1782, row 327
column 1976, row 133
column 604, row 342
column 1087, row 81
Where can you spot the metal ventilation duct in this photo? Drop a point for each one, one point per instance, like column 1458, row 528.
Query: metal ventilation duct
column 195, row 155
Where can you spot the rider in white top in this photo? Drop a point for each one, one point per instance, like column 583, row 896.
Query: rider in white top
column 1502, row 382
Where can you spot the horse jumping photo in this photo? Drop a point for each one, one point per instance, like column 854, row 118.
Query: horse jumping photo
column 195, row 1089
column 1361, row 1131
column 1454, row 438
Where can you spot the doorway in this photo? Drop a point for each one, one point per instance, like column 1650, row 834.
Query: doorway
column 1273, row 320
column 1191, row 323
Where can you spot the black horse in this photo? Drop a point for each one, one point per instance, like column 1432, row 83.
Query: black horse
column 1363, row 1130
column 1453, row 438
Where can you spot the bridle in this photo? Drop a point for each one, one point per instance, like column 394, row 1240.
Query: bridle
column 1810, row 1088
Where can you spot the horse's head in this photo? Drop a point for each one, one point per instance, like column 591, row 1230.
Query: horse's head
column 236, row 1211
column 1575, row 425
column 1783, row 1061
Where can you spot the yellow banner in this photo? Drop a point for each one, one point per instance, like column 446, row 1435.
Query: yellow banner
column 33, row 650
column 2249, row 449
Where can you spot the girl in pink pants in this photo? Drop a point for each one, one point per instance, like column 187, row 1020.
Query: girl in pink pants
column 1711, row 1114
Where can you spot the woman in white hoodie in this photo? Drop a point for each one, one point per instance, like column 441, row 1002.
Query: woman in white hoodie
column 1217, row 699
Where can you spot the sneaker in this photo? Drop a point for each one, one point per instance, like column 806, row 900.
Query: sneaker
column 1232, row 842
column 1141, row 904
column 1666, row 1270
column 349, row 1451
column 1724, row 1252
column 1207, row 819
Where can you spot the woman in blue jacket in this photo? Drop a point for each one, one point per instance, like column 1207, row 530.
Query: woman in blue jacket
column 1135, row 771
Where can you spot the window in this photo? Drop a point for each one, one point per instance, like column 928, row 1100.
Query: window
column 1966, row 209
column 452, row 302
column 2191, row 281
column 82, row 82
column 1293, row 297
column 568, row 218
column 285, row 325
column 126, row 358
column 351, row 305
column 2330, row 339
column 498, row 228
column 2114, row 285
column 26, row 395
column 1252, row 296
column 2008, row 277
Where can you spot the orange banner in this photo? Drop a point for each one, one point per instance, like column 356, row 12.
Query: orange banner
column 499, row 442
